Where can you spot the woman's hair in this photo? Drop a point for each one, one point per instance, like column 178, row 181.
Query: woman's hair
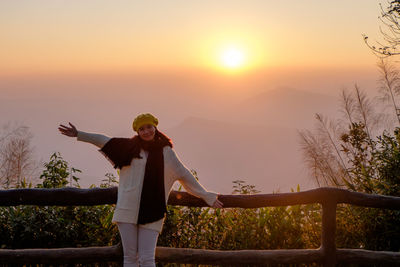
column 162, row 137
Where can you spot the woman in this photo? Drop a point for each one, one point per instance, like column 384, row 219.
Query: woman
column 148, row 169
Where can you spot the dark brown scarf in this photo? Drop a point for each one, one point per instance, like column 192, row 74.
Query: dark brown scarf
column 121, row 151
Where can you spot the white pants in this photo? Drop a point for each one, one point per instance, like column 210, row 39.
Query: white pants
column 139, row 245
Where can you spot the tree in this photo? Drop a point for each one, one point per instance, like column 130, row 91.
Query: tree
column 17, row 162
column 390, row 18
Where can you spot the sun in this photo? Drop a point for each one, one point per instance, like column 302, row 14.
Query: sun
column 232, row 58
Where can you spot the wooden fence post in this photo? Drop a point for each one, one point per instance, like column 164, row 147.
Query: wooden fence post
column 328, row 236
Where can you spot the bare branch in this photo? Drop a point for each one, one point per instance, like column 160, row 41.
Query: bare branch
column 389, row 85
column 16, row 156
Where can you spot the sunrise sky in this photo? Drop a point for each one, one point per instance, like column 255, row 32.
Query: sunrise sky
column 213, row 72
column 123, row 36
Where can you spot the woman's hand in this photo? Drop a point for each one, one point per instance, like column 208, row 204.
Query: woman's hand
column 68, row 131
column 217, row 204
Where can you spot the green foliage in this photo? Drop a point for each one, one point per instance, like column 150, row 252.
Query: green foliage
column 53, row 226
column 374, row 164
column 57, row 172
column 289, row 227
column 387, row 159
column 237, row 228
column 375, row 168
column 110, row 181
column 358, row 148
column 240, row 187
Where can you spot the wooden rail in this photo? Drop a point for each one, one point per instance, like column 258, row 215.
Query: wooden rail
column 327, row 254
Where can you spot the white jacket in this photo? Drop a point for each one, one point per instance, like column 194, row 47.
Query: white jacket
column 131, row 182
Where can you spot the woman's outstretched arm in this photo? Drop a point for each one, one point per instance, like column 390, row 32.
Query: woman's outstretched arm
column 189, row 182
column 98, row 140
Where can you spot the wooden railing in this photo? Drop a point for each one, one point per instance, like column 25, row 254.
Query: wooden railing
column 327, row 254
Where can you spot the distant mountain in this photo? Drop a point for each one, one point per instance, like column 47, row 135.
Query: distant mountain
column 222, row 152
column 284, row 107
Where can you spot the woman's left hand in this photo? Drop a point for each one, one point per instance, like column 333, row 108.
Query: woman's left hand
column 217, row 204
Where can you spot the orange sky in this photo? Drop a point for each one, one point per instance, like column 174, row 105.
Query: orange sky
column 121, row 36
column 99, row 63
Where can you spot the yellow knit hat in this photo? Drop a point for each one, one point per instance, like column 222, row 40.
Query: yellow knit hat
column 142, row 119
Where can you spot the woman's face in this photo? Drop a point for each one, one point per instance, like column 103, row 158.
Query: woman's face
column 147, row 132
